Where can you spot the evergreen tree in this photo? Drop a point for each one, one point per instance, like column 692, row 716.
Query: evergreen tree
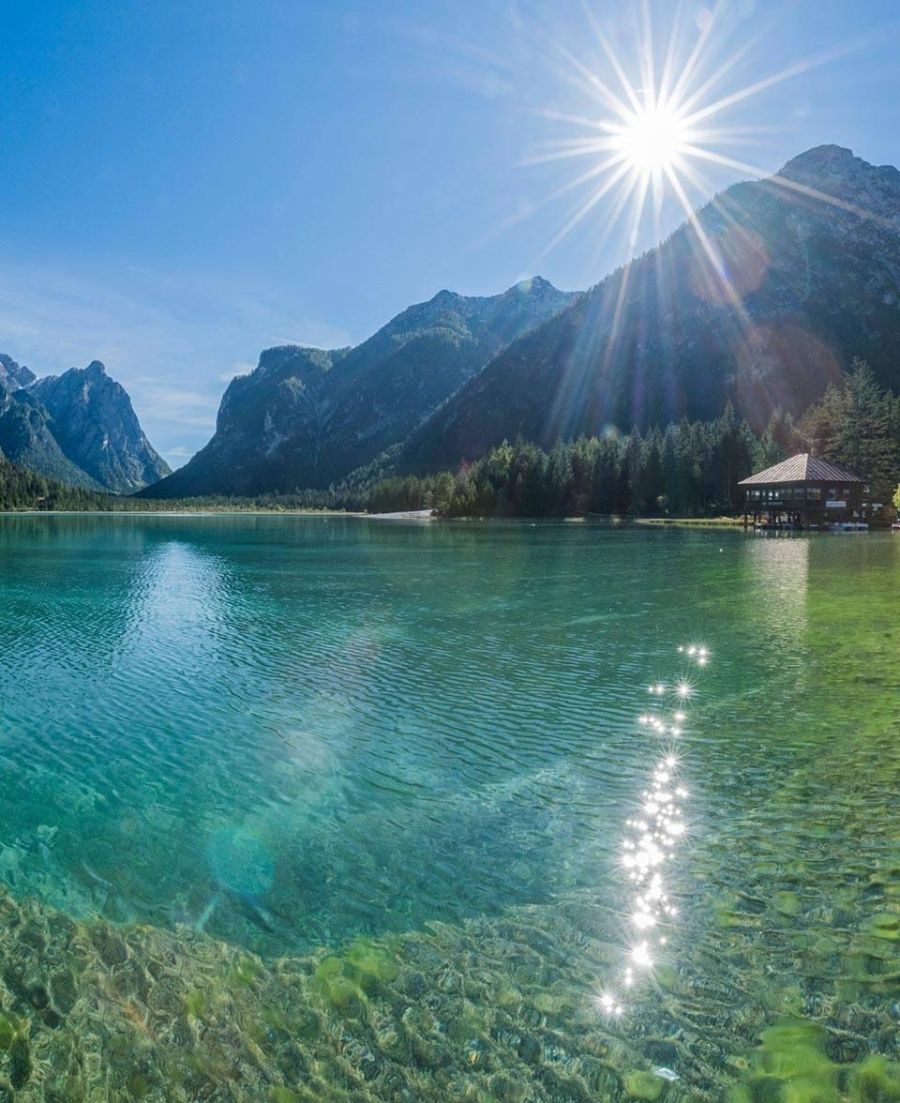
column 855, row 425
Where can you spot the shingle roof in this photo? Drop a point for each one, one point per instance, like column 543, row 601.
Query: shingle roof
column 802, row 468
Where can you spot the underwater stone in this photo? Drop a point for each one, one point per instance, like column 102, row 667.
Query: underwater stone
column 109, row 946
column 661, row 1052
column 877, row 1080
column 766, row 1089
column 886, row 926
column 415, row 985
column 787, row 903
column 19, row 1062
column 844, row 1050
column 38, row 997
column 530, row 1049
column 601, row 1079
column 9, row 1029
column 643, row 1085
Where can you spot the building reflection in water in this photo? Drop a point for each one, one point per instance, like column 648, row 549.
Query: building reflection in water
column 776, row 586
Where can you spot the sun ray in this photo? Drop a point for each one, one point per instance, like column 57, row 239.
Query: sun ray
column 648, row 61
column 690, row 94
column 696, row 54
column 578, row 148
column 659, row 113
column 626, row 193
column 729, row 64
column 708, row 248
column 786, row 183
column 588, row 174
column 617, row 68
column 618, row 310
column 670, row 61
column 758, row 86
column 576, row 120
column 590, row 80
column 581, row 212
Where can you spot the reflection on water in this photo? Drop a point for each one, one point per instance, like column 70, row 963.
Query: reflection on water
column 326, row 810
column 651, row 838
column 780, row 569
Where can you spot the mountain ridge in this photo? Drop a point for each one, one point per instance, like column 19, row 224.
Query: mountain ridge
column 812, row 260
column 308, row 417
column 78, row 427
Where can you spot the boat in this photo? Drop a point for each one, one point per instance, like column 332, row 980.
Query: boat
column 895, row 527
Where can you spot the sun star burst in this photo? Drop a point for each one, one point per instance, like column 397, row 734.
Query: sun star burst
column 652, row 138
column 654, row 119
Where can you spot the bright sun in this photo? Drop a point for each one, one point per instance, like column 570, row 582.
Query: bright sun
column 664, row 116
column 652, row 138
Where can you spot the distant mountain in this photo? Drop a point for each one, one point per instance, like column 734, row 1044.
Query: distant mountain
column 804, row 284
column 79, row 428
column 14, row 375
column 97, row 428
column 26, row 438
column 308, row 417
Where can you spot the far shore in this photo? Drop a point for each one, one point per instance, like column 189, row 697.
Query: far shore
column 695, row 522
column 208, row 511
column 417, row 515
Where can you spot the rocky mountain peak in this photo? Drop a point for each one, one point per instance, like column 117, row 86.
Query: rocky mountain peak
column 299, row 357
column 836, row 171
column 833, row 158
column 14, row 375
column 535, row 286
column 96, row 427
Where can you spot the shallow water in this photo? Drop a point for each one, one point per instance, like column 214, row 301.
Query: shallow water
column 403, row 764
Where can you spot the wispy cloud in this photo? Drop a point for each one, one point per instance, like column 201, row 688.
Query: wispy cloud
column 180, row 453
column 239, row 367
column 172, row 341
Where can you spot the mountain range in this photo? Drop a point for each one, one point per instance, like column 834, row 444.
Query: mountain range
column 760, row 300
column 806, row 276
column 78, row 427
column 309, row 417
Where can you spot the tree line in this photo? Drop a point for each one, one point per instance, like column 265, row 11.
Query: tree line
column 684, row 469
column 23, row 489
column 687, row 468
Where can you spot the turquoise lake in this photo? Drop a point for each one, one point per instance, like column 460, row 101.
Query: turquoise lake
column 321, row 808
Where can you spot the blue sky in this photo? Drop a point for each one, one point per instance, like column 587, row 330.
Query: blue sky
column 186, row 183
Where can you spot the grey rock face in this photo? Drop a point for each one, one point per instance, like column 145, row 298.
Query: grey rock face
column 26, row 438
column 308, row 417
column 14, row 375
column 79, row 428
column 97, row 428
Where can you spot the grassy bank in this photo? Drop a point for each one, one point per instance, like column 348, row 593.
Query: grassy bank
column 692, row 522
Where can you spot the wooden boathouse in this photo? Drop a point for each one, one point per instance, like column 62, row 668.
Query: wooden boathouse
column 802, row 492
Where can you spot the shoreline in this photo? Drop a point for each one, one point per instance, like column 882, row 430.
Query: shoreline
column 211, row 512
column 417, row 517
